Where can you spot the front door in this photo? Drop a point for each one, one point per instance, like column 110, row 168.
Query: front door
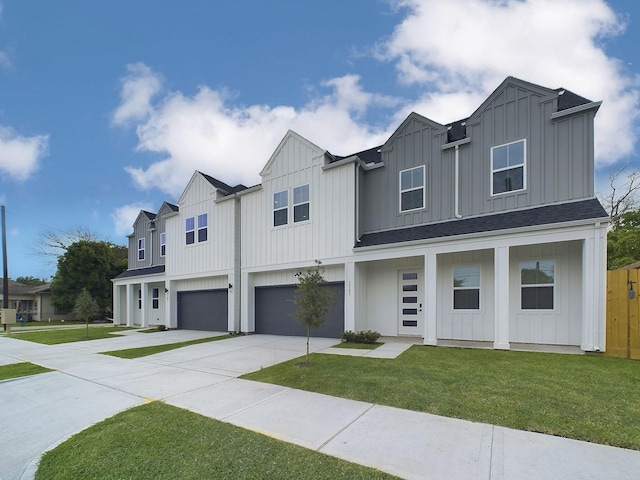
column 410, row 302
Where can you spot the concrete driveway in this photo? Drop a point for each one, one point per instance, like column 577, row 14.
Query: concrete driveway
column 86, row 387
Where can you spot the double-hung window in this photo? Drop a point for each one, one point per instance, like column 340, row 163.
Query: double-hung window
column 466, row 287
column 537, row 281
column 139, row 299
column 141, row 249
column 280, row 208
column 508, row 167
column 163, row 244
column 412, row 189
column 155, row 296
column 190, row 229
column 202, row 227
column 301, row 203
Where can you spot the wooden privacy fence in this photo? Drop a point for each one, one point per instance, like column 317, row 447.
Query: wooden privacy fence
column 623, row 314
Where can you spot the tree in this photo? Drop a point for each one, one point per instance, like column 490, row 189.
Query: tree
column 54, row 243
column 85, row 307
column 91, row 265
column 623, row 193
column 31, row 280
column 312, row 300
column 623, row 240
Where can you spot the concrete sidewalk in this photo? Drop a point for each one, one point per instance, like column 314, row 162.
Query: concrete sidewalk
column 86, row 388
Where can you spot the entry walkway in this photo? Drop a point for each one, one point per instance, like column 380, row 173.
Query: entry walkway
column 43, row 410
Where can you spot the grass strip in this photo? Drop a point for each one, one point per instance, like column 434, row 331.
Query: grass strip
column 67, row 335
column 160, row 441
column 22, row 369
column 358, row 346
column 584, row 397
column 153, row 349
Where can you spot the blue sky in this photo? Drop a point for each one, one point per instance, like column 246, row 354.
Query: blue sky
column 107, row 107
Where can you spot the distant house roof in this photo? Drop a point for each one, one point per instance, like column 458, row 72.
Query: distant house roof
column 16, row 288
column 138, row 272
column 538, row 216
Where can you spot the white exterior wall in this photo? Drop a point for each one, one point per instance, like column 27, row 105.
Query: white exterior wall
column 329, row 233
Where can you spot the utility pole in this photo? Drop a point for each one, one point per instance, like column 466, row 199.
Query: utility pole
column 5, row 276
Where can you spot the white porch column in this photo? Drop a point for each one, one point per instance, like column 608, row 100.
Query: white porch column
column 144, row 322
column 247, row 320
column 594, row 281
column 170, row 298
column 115, row 307
column 232, row 288
column 350, row 296
column 430, row 299
column 132, row 304
column 501, row 298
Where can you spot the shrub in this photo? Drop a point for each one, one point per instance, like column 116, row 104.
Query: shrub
column 370, row 336
column 161, row 327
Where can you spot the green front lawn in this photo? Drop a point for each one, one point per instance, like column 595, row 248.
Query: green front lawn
column 159, row 441
column 144, row 351
column 590, row 398
column 66, row 335
column 22, row 369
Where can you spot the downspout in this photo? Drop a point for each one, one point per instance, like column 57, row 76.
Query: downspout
column 357, row 203
column 457, row 183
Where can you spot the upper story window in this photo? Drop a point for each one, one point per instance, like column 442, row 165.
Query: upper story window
column 466, row 287
column 163, row 244
column 508, row 167
column 190, row 229
column 202, row 228
column 301, row 203
column 280, row 208
column 537, row 279
column 141, row 249
column 412, row 189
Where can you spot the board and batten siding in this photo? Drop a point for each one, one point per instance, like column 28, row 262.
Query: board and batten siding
column 328, row 233
column 140, row 230
column 215, row 254
column 559, row 161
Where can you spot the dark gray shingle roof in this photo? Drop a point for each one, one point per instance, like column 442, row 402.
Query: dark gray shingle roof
column 138, row 272
column 538, row 216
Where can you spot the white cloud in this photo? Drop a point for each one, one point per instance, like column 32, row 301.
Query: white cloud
column 206, row 132
column 124, row 217
column 139, row 87
column 463, row 49
column 20, row 156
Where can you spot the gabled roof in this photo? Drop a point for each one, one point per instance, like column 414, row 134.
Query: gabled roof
column 138, row 272
column 16, row 288
column 531, row 217
column 568, row 99
column 167, row 207
column 413, row 116
column 226, row 189
column 288, row 136
column 370, row 155
column 145, row 215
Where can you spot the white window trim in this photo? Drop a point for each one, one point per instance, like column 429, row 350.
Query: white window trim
column 163, row 243
column 423, row 187
column 141, row 241
column 524, row 168
column 554, row 284
column 293, row 209
column 274, row 210
column 190, row 230
column 155, row 297
column 198, row 228
column 479, row 288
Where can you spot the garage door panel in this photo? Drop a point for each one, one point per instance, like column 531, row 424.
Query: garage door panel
column 203, row 310
column 275, row 309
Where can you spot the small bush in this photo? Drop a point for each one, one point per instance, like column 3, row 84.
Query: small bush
column 161, row 328
column 370, row 336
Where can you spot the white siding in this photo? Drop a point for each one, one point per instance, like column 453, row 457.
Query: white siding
column 329, row 232
column 205, row 283
column 332, row 273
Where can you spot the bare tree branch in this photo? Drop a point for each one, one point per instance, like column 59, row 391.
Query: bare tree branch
column 623, row 193
column 54, row 243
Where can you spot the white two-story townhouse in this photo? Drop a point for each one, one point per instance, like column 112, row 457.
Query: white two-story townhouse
column 486, row 230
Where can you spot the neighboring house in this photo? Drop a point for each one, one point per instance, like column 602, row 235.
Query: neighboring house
column 32, row 302
column 483, row 230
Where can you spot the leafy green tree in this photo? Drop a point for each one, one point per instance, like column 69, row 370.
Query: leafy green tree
column 623, row 240
column 91, row 265
column 85, row 308
column 31, row 281
column 312, row 300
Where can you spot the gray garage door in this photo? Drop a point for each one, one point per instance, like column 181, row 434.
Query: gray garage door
column 275, row 308
column 203, row 310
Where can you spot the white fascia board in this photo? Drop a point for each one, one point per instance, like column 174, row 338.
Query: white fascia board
column 568, row 231
column 457, row 143
column 198, row 276
column 353, row 159
column 255, row 188
column 152, row 278
column 578, row 109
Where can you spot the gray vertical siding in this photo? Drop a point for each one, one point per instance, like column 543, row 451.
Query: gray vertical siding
column 559, row 160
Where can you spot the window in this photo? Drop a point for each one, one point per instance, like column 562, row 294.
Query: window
column 139, row 299
column 301, row 203
column 202, row 227
column 412, row 189
column 537, row 279
column 141, row 249
column 163, row 244
column 466, row 287
column 507, row 167
column 190, row 228
column 280, row 208
column 155, row 295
